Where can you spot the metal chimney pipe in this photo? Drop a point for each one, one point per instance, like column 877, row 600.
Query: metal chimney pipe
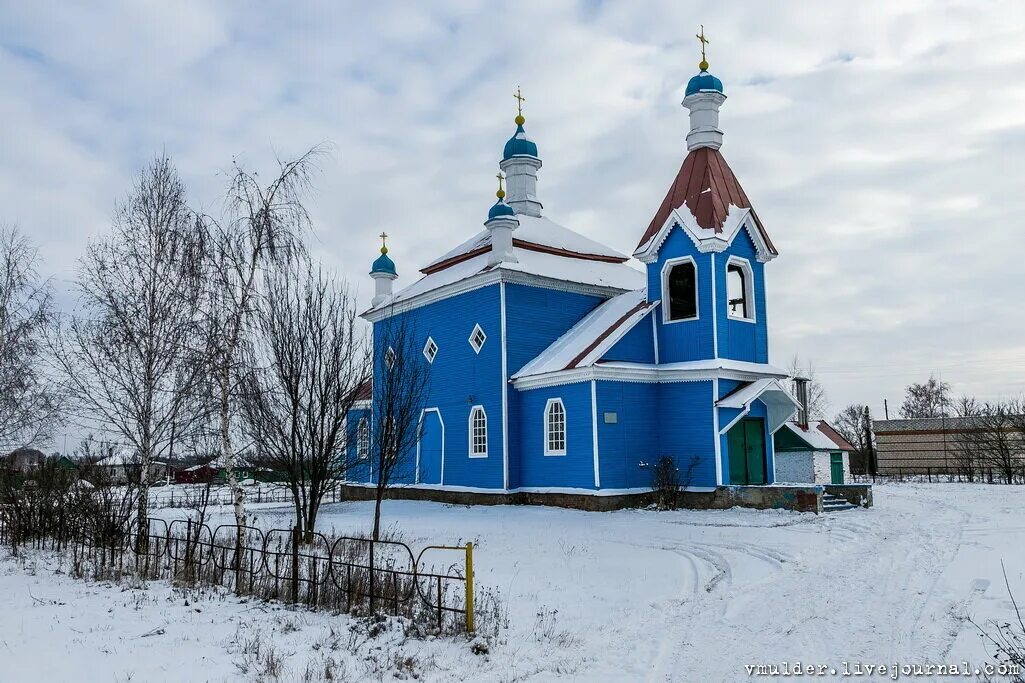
column 801, row 389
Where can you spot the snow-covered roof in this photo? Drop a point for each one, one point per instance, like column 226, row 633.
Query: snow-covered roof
column 820, row 436
column 780, row 405
column 534, row 230
column 606, row 274
column 593, row 336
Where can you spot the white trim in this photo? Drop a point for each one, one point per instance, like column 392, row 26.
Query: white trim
column 419, row 428
column 732, row 423
column 716, row 432
column 666, row 310
column 708, row 241
column 749, row 289
column 482, row 280
column 469, row 451
column 715, row 315
column 389, row 358
column 505, row 391
column 654, row 335
column 594, row 432
column 565, row 428
column 689, row 371
column 473, row 335
column 428, row 344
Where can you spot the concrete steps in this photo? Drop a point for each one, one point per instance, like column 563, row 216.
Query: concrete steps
column 831, row 503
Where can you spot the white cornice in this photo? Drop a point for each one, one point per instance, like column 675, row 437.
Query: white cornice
column 483, row 280
column 652, row 374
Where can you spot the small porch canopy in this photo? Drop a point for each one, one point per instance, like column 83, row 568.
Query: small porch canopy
column 780, row 406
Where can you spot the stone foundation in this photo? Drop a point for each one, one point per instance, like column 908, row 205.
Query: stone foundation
column 802, row 498
column 855, row 494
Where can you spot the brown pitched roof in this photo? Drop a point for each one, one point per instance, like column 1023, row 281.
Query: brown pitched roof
column 707, row 186
column 835, row 436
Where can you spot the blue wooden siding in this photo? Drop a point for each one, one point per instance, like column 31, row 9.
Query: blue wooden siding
column 535, row 317
column 461, row 378
column 741, row 340
column 632, row 440
column 636, row 346
column 576, row 468
column 688, row 339
column 686, row 429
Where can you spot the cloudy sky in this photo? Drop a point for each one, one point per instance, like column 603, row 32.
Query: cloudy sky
column 880, row 142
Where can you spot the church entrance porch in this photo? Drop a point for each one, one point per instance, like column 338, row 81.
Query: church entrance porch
column 746, row 452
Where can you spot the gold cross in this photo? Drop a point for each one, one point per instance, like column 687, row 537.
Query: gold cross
column 383, row 237
column 704, row 41
column 501, row 177
column 520, row 99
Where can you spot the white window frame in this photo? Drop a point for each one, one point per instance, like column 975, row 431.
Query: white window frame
column 433, row 354
column 389, row 358
column 668, row 266
column 473, row 411
column 749, row 289
column 565, row 427
column 484, row 337
column 363, row 439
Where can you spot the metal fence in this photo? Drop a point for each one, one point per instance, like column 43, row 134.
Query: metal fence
column 344, row 573
column 988, row 475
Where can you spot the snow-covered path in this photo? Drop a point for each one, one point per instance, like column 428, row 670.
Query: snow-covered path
column 631, row 595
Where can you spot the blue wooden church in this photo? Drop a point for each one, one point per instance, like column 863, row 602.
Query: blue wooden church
column 562, row 366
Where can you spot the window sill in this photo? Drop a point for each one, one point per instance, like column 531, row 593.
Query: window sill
column 738, row 319
column 478, row 456
column 553, row 454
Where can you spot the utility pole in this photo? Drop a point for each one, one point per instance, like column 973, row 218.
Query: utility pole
column 873, row 464
column 886, row 409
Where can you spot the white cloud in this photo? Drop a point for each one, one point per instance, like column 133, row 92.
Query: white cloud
column 879, row 141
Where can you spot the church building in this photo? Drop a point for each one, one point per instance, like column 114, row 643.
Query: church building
column 559, row 365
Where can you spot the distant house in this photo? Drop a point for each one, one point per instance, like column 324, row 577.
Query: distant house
column 204, row 473
column 812, row 453
column 123, row 466
column 25, row 460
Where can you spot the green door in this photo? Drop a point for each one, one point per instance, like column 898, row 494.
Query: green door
column 746, row 444
column 836, row 467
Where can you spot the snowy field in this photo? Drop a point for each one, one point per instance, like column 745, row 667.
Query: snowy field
column 624, row 596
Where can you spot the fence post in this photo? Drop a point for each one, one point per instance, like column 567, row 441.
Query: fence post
column 371, row 577
column 469, row 588
column 295, row 563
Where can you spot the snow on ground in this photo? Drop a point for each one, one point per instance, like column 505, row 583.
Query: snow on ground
column 634, row 595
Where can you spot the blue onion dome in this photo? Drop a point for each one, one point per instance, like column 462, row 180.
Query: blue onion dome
column 383, row 264
column 704, row 82
column 519, row 144
column 500, row 209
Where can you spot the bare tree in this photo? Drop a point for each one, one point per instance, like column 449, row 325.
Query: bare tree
column 928, row 399
column 818, row 401
column 131, row 357
column 260, row 233
column 852, row 424
column 994, row 434
column 964, row 444
column 29, row 400
column 401, row 387
column 310, row 356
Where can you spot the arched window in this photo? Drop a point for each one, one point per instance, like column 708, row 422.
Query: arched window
column 739, row 290
column 478, row 432
column 555, row 427
column 363, row 439
column 680, row 290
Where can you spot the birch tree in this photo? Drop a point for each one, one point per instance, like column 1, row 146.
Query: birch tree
column 131, row 353
column 261, row 232
column 29, row 399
